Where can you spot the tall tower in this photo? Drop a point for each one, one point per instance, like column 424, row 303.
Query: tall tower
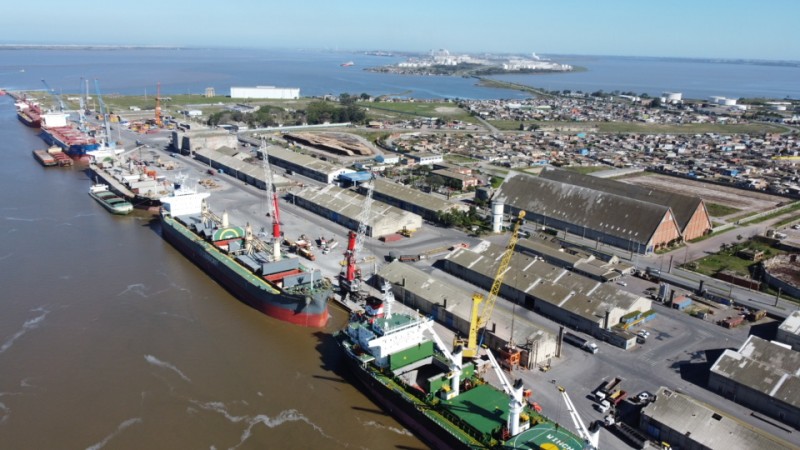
column 158, row 105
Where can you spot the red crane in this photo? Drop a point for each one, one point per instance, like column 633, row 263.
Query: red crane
column 350, row 278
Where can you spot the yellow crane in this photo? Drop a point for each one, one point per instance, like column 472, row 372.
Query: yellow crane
column 478, row 320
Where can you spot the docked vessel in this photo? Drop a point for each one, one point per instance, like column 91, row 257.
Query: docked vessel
column 52, row 156
column 57, row 130
column 110, row 201
column 278, row 287
column 408, row 371
column 29, row 113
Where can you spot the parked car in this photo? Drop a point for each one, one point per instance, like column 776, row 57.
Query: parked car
column 603, row 406
column 622, row 283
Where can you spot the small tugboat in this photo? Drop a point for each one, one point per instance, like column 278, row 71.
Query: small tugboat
column 110, row 201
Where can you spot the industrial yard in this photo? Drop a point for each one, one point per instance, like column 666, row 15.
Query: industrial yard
column 617, row 327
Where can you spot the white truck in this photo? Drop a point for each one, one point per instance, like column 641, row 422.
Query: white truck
column 578, row 341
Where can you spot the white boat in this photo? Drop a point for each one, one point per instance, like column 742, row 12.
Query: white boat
column 110, row 201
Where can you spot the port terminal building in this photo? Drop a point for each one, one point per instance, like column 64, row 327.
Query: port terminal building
column 265, row 92
column 685, row 423
column 762, row 375
column 581, row 303
column 305, row 165
column 344, row 207
column 550, row 250
column 689, row 211
column 236, row 164
column 190, row 141
column 622, row 216
column 451, row 305
column 412, row 200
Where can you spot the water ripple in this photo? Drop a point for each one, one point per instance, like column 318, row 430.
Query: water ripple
column 114, row 434
column 27, row 326
column 289, row 415
column 157, row 362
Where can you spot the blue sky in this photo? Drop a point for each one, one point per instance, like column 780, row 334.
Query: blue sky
column 681, row 28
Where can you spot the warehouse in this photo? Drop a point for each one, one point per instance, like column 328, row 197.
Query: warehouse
column 412, row 200
column 549, row 249
column 789, row 331
column 344, row 207
column 574, row 300
column 452, row 306
column 305, row 165
column 626, row 223
column 270, row 92
column 762, row 375
column 690, row 211
column 684, row 423
column 188, row 142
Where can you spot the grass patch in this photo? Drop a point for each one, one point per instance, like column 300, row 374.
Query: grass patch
column 513, row 125
column 717, row 210
column 585, row 170
column 727, row 259
column 710, row 235
column 791, row 208
column 459, row 159
column 415, row 110
column 787, row 221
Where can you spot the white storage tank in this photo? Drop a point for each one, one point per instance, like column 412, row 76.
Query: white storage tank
column 672, row 97
column 497, row 216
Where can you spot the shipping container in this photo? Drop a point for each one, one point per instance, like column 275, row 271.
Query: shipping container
column 391, row 237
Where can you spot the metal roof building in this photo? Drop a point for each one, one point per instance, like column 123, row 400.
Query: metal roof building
column 690, row 211
column 582, row 263
column 305, row 165
column 575, row 300
column 344, row 207
column 612, row 219
column 188, row 142
column 233, row 163
column 761, row 375
column 409, row 199
column 452, row 306
column 684, row 423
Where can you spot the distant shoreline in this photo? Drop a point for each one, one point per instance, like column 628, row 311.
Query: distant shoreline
column 85, row 47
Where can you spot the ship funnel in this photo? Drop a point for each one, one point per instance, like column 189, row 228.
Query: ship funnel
column 225, row 219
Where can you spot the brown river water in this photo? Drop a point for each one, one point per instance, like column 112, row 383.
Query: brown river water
column 109, row 338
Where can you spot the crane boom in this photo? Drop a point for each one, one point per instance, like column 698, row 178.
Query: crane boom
column 56, row 97
column 272, row 204
column 478, row 321
column 592, row 439
column 103, row 111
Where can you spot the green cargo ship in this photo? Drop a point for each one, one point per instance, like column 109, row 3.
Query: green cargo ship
column 445, row 401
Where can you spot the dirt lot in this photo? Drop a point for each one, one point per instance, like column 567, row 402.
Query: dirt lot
column 742, row 199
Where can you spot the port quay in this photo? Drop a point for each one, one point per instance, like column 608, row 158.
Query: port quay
column 378, row 249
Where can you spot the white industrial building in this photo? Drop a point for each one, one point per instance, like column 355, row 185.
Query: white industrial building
column 672, row 97
column 789, row 331
column 270, row 92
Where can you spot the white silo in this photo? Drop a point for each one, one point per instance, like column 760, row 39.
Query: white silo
column 729, row 101
column 672, row 97
column 497, row 216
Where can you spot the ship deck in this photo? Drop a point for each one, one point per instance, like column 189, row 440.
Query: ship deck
column 483, row 407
